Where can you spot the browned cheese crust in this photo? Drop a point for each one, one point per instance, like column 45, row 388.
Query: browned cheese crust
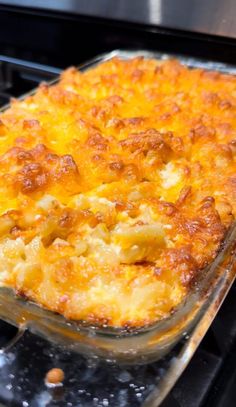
column 117, row 186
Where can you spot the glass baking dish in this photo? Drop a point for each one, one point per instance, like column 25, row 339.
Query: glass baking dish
column 187, row 325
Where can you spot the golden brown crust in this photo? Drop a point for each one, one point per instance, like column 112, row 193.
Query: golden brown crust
column 116, row 188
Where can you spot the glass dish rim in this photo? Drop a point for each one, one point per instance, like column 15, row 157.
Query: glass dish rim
column 119, row 333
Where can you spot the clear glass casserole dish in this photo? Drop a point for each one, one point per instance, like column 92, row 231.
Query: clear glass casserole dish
column 194, row 316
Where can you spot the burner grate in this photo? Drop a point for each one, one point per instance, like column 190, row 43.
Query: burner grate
column 18, row 77
column 7, row 334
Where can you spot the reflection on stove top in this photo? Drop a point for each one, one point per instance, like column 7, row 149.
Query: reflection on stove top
column 88, row 382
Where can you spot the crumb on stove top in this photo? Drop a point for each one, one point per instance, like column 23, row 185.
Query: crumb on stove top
column 54, row 376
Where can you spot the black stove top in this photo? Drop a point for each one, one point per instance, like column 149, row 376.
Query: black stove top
column 208, row 381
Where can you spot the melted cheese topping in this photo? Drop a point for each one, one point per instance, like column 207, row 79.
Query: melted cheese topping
column 116, row 187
